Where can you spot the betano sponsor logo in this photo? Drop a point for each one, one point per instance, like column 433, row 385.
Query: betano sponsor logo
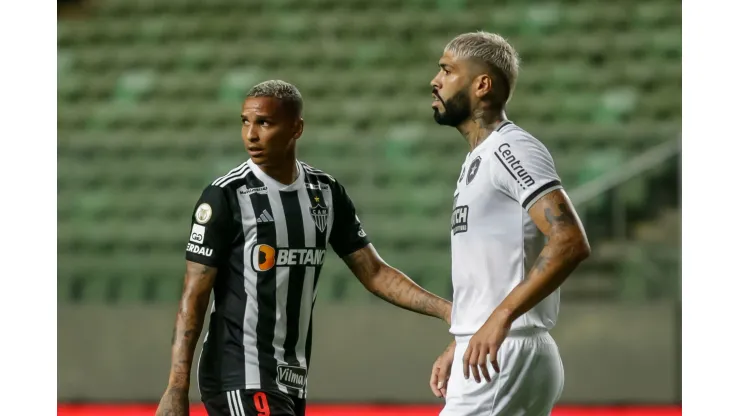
column 265, row 257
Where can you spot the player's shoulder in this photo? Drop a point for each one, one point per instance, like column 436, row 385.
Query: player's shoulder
column 232, row 177
column 317, row 175
column 515, row 135
column 514, row 141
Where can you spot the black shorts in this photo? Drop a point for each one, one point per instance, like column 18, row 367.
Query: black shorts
column 254, row 403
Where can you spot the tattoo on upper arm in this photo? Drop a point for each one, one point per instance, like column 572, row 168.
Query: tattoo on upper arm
column 563, row 232
column 565, row 217
column 362, row 262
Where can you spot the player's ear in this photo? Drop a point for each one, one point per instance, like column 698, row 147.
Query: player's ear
column 483, row 85
column 298, row 128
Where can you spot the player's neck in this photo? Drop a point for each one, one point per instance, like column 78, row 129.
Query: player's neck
column 479, row 126
column 285, row 172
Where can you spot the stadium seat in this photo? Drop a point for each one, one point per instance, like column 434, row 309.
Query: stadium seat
column 148, row 105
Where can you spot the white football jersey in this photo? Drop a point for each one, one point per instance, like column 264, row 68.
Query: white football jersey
column 494, row 240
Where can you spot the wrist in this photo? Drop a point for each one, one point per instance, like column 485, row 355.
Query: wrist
column 503, row 316
column 447, row 313
column 178, row 382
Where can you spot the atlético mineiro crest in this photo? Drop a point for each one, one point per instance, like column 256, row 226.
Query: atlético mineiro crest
column 320, row 215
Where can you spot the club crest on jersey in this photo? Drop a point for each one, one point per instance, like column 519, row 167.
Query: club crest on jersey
column 473, row 170
column 320, row 214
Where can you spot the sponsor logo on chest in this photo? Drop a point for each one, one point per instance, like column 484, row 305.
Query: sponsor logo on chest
column 460, row 219
column 265, row 257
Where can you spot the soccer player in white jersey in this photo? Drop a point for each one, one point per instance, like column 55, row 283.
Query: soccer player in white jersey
column 515, row 238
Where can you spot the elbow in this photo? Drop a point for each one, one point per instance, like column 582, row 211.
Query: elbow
column 372, row 280
column 193, row 300
column 581, row 250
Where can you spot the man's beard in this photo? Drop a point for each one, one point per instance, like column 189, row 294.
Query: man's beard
column 456, row 110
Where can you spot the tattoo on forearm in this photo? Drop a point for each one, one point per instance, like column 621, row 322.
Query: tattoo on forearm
column 396, row 288
column 542, row 262
column 174, row 402
column 189, row 323
column 393, row 286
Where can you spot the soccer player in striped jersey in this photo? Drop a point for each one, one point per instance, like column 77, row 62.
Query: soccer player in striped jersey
column 515, row 238
column 258, row 240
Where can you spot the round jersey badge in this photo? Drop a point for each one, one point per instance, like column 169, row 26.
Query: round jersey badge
column 203, row 213
column 473, row 170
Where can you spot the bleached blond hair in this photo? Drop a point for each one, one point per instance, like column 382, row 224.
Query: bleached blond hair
column 491, row 49
column 283, row 91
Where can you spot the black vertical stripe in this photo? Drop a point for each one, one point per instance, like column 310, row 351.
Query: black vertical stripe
column 266, row 296
column 234, row 301
column 296, row 276
column 222, row 360
column 308, row 340
column 314, row 191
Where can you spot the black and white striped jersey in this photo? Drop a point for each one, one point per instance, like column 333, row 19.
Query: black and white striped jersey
column 268, row 241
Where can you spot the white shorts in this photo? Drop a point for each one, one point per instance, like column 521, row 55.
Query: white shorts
column 530, row 382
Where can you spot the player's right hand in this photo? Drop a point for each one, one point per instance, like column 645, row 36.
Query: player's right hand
column 441, row 371
column 174, row 402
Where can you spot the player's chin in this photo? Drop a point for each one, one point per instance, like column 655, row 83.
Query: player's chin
column 440, row 118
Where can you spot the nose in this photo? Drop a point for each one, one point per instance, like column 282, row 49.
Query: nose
column 435, row 83
column 251, row 134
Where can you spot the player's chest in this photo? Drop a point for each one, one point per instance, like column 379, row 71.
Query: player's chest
column 475, row 200
column 473, row 183
column 298, row 217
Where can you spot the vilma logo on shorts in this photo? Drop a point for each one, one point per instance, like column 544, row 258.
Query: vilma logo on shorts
column 265, row 257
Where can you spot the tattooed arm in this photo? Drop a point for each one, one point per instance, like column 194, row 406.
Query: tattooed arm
column 393, row 286
column 566, row 247
column 199, row 281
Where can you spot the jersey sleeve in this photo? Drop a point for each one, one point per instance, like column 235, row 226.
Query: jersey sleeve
column 347, row 235
column 210, row 229
column 524, row 170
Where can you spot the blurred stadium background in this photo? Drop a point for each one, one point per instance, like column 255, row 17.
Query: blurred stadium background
column 148, row 111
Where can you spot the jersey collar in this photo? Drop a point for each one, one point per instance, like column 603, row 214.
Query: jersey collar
column 272, row 183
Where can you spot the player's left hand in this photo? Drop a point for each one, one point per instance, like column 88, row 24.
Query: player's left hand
column 484, row 345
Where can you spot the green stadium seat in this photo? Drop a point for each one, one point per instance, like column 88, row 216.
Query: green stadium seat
column 149, row 96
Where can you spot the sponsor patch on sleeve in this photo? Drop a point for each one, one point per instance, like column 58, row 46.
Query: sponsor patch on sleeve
column 198, row 234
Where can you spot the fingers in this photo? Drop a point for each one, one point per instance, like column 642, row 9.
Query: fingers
column 494, row 360
column 442, row 377
column 466, row 361
column 476, row 359
column 473, row 362
column 434, row 381
column 483, row 364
